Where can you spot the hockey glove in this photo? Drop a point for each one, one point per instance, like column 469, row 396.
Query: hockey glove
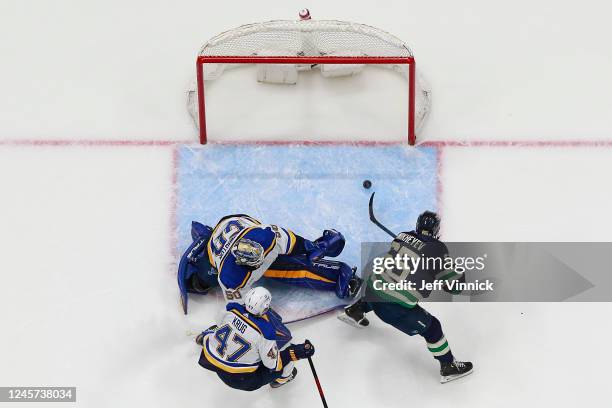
column 298, row 351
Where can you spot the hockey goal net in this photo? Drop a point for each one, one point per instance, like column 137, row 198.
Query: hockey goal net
column 281, row 50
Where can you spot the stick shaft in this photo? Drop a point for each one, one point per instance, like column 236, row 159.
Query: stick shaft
column 316, row 377
column 375, row 221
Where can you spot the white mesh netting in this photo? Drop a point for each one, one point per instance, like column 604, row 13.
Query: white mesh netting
column 309, row 38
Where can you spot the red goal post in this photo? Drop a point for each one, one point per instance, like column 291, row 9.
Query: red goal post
column 320, row 42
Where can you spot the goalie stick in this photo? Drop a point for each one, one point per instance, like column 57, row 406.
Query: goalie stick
column 375, row 221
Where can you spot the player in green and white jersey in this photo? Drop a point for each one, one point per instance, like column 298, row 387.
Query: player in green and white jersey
column 393, row 294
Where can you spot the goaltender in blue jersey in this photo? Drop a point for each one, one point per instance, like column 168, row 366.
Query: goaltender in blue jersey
column 239, row 250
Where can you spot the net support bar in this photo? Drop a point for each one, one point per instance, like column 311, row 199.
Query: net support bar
column 306, row 60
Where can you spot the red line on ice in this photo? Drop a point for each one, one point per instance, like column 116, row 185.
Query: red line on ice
column 433, row 143
column 308, row 143
column 173, row 206
column 103, row 143
column 439, row 186
column 518, row 143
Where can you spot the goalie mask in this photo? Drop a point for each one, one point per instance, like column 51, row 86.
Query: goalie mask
column 248, row 253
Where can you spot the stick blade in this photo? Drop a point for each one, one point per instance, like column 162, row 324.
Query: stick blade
column 371, row 207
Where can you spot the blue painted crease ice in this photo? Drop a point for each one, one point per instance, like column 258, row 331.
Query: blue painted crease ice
column 306, row 189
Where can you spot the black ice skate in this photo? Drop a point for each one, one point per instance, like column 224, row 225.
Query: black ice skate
column 354, row 284
column 354, row 316
column 454, row 370
column 279, row 382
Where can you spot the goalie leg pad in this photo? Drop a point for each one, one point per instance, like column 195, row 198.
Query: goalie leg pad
column 345, row 274
column 321, row 274
column 194, row 261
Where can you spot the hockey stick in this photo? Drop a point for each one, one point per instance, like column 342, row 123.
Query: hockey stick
column 316, row 377
column 375, row 221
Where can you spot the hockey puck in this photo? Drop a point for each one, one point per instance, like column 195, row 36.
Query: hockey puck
column 367, row 184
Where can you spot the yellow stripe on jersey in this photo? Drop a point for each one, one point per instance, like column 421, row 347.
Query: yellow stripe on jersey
column 209, row 246
column 210, row 257
column 300, row 274
column 225, row 367
column 279, row 362
column 267, row 251
column 292, row 240
column 246, row 319
column 246, row 279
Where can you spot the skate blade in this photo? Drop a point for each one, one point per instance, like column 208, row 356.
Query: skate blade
column 449, row 378
column 277, row 384
column 344, row 318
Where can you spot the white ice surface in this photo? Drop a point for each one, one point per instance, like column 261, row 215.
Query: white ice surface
column 541, row 194
column 87, row 295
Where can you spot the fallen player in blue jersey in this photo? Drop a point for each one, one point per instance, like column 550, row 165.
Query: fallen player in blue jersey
column 239, row 250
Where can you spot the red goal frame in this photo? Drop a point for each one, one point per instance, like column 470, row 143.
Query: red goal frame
column 207, row 59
